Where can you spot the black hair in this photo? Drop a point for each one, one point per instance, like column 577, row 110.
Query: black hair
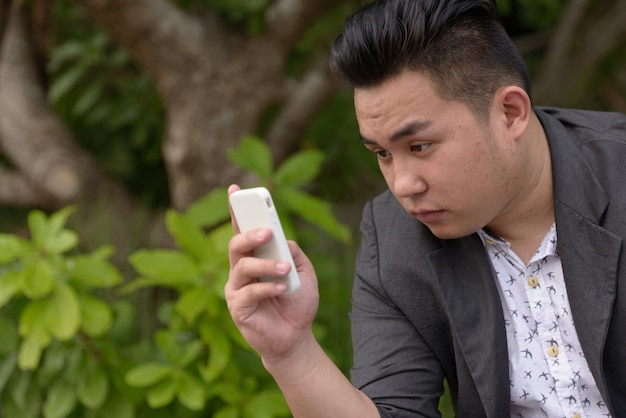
column 459, row 44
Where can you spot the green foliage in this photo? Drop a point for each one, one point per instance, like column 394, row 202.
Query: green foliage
column 286, row 182
column 67, row 346
column 113, row 108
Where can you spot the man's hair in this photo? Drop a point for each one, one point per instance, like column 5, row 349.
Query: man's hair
column 459, row 44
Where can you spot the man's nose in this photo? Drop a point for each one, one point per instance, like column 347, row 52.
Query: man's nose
column 408, row 180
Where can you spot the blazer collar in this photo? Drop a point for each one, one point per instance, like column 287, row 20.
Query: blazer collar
column 589, row 253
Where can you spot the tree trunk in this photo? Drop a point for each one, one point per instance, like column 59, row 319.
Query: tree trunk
column 217, row 83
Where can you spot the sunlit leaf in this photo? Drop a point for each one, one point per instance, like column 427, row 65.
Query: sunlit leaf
column 187, row 234
column 220, row 349
column 268, row 403
column 314, row 210
column 93, row 388
column 254, row 155
column 192, row 302
column 94, row 272
column 61, row 400
column 63, row 312
column 29, row 353
column 167, row 265
column 299, row 169
column 227, row 412
column 10, row 248
column 148, row 374
column 210, row 209
column 190, row 392
column 10, row 285
column 96, row 316
column 37, row 279
column 162, row 394
column 61, row 242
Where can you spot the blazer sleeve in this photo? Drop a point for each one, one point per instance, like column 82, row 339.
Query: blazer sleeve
column 393, row 363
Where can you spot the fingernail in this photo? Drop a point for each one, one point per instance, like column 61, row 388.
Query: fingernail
column 260, row 234
column 281, row 287
column 282, row 267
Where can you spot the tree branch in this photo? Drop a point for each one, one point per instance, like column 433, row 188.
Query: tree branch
column 287, row 20
column 17, row 190
column 31, row 136
column 162, row 39
column 603, row 41
column 559, row 48
column 305, row 100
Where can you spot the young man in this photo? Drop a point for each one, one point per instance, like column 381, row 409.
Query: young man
column 496, row 258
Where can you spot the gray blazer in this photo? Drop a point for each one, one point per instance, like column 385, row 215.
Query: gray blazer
column 426, row 309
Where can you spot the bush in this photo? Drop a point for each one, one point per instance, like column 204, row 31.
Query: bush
column 69, row 344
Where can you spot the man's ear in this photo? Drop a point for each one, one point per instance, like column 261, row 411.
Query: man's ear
column 514, row 103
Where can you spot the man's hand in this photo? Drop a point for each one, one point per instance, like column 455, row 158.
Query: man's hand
column 272, row 323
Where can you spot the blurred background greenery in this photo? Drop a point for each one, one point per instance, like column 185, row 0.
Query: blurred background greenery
column 137, row 115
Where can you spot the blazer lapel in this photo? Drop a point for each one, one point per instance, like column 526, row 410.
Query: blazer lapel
column 589, row 256
column 589, row 253
column 471, row 299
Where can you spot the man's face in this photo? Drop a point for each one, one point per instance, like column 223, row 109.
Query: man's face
column 447, row 169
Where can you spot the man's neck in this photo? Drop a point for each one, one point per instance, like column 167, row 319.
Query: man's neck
column 531, row 214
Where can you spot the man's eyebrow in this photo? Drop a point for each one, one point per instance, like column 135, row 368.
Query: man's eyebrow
column 409, row 129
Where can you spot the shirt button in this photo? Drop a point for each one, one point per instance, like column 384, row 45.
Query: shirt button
column 533, row 281
column 553, row 351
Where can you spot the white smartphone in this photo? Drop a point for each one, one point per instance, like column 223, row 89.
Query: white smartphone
column 254, row 208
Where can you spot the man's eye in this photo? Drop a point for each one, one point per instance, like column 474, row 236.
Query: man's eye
column 382, row 154
column 420, row 147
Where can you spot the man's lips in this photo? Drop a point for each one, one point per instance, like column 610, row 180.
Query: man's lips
column 428, row 216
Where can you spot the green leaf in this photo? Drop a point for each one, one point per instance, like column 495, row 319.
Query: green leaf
column 169, row 267
column 61, row 242
column 187, row 235
column 10, row 248
column 37, row 279
column 88, row 98
column 94, row 272
column 220, row 352
column 148, row 374
column 254, row 155
column 299, row 169
column 32, row 327
column 162, row 394
column 103, row 253
column 116, row 406
column 96, row 316
column 58, row 219
column 93, row 388
column 63, row 313
column 62, row 85
column 168, row 342
column 227, row 412
column 54, row 363
column 29, row 354
column 315, row 211
column 210, row 210
column 193, row 302
column 61, row 400
column 10, row 285
column 38, row 227
column 7, row 369
column 190, row 392
column 268, row 403
column 48, row 233
column 191, row 350
column 10, row 340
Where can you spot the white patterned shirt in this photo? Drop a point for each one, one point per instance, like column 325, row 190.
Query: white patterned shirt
column 549, row 375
